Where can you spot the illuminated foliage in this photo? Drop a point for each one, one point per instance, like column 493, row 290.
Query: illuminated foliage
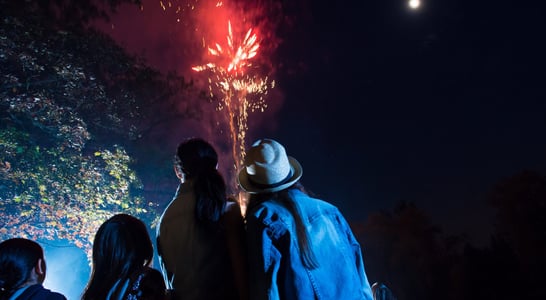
column 66, row 124
column 56, row 193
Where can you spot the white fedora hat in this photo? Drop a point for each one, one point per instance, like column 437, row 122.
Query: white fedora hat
column 268, row 169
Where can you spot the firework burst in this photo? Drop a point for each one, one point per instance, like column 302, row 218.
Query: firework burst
column 240, row 91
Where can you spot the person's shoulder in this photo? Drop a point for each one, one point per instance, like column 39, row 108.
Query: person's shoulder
column 147, row 284
column 265, row 207
column 152, row 273
column 56, row 296
column 270, row 214
column 51, row 295
column 38, row 292
column 313, row 205
column 180, row 207
column 304, row 198
column 147, row 274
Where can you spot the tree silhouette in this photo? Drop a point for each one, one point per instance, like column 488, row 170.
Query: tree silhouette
column 65, row 13
column 490, row 273
column 406, row 251
column 520, row 204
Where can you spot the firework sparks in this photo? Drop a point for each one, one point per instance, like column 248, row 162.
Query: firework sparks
column 238, row 57
column 240, row 92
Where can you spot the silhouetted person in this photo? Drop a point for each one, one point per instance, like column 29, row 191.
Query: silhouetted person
column 299, row 247
column 122, row 255
column 200, row 234
column 23, row 270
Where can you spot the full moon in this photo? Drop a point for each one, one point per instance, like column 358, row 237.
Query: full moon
column 414, row 4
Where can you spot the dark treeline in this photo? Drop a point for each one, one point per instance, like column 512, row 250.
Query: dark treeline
column 417, row 261
column 46, row 52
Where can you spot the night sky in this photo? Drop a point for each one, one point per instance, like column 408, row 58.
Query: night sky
column 381, row 103
column 432, row 106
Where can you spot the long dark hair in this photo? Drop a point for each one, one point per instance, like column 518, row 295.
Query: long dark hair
column 197, row 160
column 18, row 257
column 122, row 245
column 283, row 197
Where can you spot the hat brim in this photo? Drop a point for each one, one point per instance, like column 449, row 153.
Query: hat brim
column 248, row 187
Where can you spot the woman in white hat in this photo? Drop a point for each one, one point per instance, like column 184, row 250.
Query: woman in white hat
column 299, row 247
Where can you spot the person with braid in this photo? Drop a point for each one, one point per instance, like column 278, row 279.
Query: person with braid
column 23, row 270
column 299, row 247
column 200, row 233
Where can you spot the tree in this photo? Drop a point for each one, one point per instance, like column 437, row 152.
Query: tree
column 65, row 13
column 490, row 273
column 520, row 204
column 408, row 253
column 54, row 193
column 67, row 123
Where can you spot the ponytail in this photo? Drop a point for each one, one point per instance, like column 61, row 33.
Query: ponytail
column 308, row 257
column 197, row 160
column 210, row 192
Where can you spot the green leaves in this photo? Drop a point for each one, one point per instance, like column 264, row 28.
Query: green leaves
column 64, row 194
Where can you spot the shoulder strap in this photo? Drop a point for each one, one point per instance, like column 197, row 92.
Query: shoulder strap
column 146, row 283
column 133, row 290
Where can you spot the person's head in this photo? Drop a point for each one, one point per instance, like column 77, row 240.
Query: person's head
column 121, row 246
column 268, row 169
column 194, row 157
column 268, row 174
column 197, row 160
column 21, row 263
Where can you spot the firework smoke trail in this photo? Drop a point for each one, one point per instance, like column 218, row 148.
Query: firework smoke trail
column 240, row 92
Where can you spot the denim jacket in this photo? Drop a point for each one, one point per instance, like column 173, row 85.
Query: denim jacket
column 276, row 270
